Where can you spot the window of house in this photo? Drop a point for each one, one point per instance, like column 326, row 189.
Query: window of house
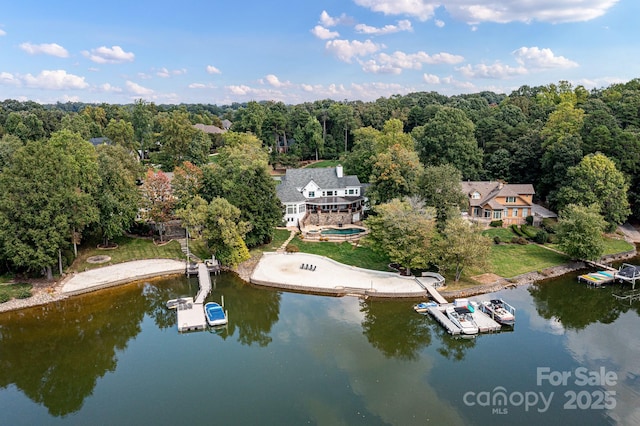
column 312, row 194
column 351, row 192
column 497, row 214
column 514, row 212
column 475, row 195
column 302, row 208
column 487, row 214
column 476, row 212
column 329, row 193
column 511, row 199
column 525, row 212
column 291, row 209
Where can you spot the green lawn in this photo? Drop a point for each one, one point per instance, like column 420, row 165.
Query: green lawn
column 128, row 249
column 505, row 234
column 614, row 245
column 323, row 163
column 509, row 260
column 344, row 252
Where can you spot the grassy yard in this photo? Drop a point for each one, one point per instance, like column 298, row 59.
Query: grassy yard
column 128, row 249
column 616, row 245
column 505, row 234
column 509, row 260
column 323, row 163
column 344, row 252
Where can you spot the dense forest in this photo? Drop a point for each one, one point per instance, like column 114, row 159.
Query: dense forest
column 566, row 141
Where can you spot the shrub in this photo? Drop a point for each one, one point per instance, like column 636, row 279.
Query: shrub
column 24, row 293
column 497, row 239
column 529, row 220
column 292, row 248
column 549, row 225
column 528, row 231
column 541, row 236
column 496, row 223
column 519, row 240
column 4, row 297
column 516, row 230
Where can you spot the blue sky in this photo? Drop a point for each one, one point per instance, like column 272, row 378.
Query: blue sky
column 296, row 51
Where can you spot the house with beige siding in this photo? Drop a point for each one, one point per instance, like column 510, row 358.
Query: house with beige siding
column 489, row 201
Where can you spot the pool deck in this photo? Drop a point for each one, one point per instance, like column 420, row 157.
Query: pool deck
column 285, row 271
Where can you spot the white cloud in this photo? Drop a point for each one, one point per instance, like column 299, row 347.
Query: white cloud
column 2, row 33
column 106, row 87
column 421, row 9
column 439, row 23
column 52, row 49
column 536, row 58
column 431, row 78
column 345, row 50
column 323, row 33
column 329, row 21
column 213, row 70
column 55, row 80
column 274, row 81
column 165, row 73
column 397, row 61
column 9, row 79
column 202, row 86
column 240, row 90
column 109, row 55
column 136, row 89
column 476, row 11
column 404, row 25
column 496, row 70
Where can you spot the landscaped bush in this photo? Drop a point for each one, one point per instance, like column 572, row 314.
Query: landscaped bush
column 497, row 239
column 516, row 230
column 519, row 240
column 292, row 249
column 529, row 231
column 529, row 220
column 541, row 236
column 4, row 297
column 549, row 225
column 496, row 223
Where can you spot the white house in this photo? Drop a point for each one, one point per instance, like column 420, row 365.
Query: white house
column 321, row 196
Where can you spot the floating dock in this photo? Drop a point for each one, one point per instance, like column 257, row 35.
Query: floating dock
column 191, row 315
column 597, row 279
column 483, row 321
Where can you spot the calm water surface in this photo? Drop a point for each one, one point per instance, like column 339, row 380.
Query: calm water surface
column 115, row 357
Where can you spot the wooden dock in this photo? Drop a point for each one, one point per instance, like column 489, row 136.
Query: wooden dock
column 191, row 315
column 597, row 279
column 483, row 321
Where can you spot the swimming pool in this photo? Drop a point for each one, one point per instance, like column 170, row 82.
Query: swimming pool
column 342, row 231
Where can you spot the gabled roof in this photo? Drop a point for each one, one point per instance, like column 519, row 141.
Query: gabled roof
column 325, row 178
column 209, row 128
column 289, row 194
column 490, row 190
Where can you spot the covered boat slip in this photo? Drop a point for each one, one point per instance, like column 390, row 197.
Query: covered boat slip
column 482, row 320
column 628, row 273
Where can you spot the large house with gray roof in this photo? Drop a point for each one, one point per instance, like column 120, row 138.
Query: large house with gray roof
column 321, row 196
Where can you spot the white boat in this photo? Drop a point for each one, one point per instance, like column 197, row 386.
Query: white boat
column 461, row 317
column 423, row 307
column 173, row 303
column 215, row 314
column 499, row 311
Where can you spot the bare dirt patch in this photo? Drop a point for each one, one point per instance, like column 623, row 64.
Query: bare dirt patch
column 98, row 259
column 487, row 278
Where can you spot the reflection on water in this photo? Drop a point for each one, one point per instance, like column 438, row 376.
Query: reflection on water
column 291, row 358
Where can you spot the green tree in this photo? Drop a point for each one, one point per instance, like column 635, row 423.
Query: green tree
column 579, row 231
column 440, row 187
column 449, row 138
column 187, row 183
column 157, row 199
column 359, row 161
column 33, row 202
column 461, row 246
column 117, row 197
column 395, row 173
column 181, row 141
column 121, row 133
column 141, row 118
column 81, row 209
column 403, row 230
column 241, row 176
column 194, row 215
column 596, row 180
column 9, row 144
column 225, row 232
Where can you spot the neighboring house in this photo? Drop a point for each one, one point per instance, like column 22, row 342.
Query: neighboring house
column 209, row 128
column 489, row 201
column 322, row 196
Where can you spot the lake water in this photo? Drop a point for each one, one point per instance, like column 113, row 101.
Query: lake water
column 115, row 357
